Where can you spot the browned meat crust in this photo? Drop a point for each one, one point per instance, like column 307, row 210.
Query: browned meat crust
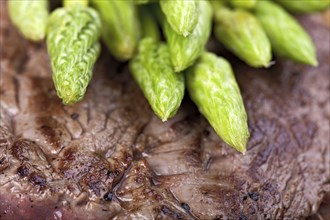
column 109, row 157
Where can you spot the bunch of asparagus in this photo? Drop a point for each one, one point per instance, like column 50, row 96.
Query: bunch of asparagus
column 251, row 29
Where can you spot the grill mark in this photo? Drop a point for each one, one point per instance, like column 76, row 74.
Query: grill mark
column 74, row 116
column 43, row 99
column 23, row 171
column 19, row 149
column 166, row 211
column 50, row 135
column 4, row 163
column 37, row 179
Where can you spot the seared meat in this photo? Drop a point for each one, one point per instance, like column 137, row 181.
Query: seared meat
column 109, row 157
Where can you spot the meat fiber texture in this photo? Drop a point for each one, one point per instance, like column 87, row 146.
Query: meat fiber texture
column 110, row 157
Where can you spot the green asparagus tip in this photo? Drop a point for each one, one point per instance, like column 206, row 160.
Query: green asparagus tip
column 69, row 100
column 241, row 149
column 309, row 60
column 165, row 113
column 262, row 64
column 68, row 103
column 268, row 64
column 164, row 116
column 314, row 62
column 69, row 95
column 240, row 143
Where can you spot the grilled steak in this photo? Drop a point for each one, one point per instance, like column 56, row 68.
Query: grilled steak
column 110, row 157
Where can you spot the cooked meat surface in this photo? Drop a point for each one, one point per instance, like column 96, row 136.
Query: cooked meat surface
column 110, row 157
